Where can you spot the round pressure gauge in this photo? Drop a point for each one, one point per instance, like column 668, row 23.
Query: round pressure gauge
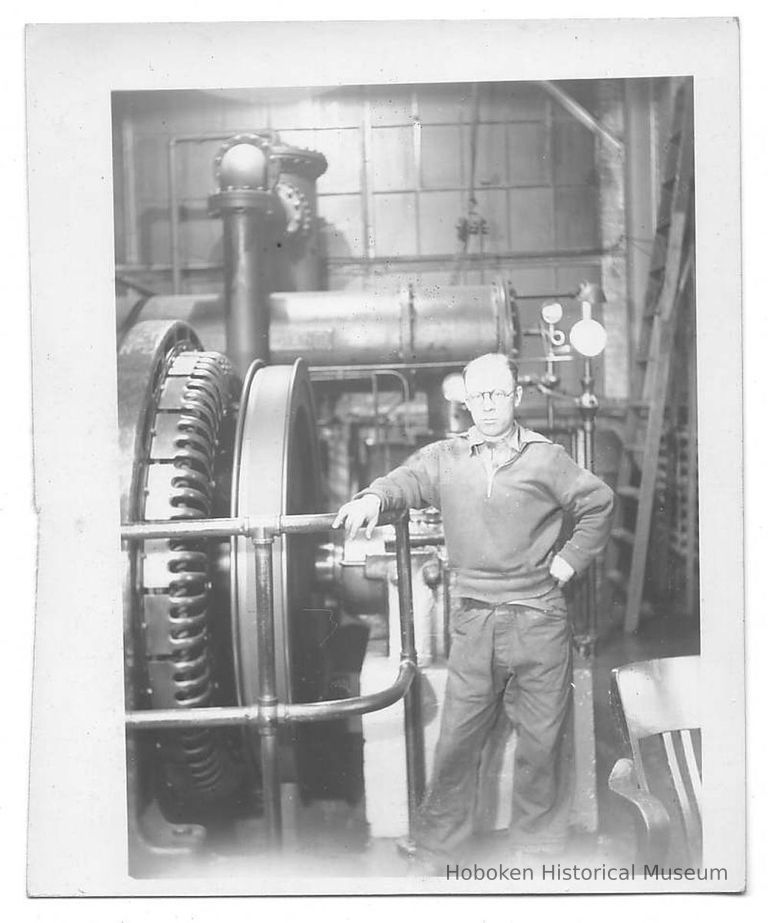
column 552, row 313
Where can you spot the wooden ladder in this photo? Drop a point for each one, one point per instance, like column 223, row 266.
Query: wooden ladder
column 671, row 265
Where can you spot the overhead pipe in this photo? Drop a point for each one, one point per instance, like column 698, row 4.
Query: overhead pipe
column 581, row 114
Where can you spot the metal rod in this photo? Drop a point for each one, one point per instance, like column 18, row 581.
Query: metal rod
column 164, row 719
column 414, row 727
column 363, row 371
column 241, row 525
column 173, row 208
column 200, row 528
column 588, row 407
column 290, row 713
column 267, row 679
column 580, row 253
column 581, row 114
column 358, row 705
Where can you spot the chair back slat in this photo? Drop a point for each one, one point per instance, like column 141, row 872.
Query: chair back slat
column 694, row 773
column 677, row 778
column 660, row 699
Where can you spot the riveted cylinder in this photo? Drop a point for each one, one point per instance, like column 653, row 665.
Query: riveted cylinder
column 430, row 324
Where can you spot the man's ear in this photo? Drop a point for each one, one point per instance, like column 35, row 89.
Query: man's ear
column 518, row 395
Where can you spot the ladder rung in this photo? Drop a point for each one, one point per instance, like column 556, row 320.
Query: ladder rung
column 623, row 535
column 639, row 405
column 628, row 492
column 637, row 447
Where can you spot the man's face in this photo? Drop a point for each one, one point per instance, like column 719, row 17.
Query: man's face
column 492, row 397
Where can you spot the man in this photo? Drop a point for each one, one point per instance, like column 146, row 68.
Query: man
column 503, row 491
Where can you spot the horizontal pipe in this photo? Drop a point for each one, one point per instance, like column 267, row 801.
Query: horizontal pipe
column 197, row 528
column 481, row 259
column 357, row 705
column 241, row 715
column 331, row 372
column 243, row 525
column 580, row 253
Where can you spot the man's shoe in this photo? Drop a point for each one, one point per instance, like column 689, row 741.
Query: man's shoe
column 406, row 846
column 421, row 862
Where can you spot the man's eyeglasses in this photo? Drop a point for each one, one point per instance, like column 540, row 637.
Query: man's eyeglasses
column 495, row 397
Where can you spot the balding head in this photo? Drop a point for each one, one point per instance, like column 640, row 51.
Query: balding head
column 492, row 393
column 493, row 364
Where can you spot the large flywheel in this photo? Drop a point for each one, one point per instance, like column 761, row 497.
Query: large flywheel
column 195, row 445
column 276, row 471
column 177, row 407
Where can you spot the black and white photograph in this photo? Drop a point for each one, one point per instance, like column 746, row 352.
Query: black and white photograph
column 405, row 479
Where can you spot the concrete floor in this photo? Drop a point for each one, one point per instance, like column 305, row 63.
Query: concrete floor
column 328, row 839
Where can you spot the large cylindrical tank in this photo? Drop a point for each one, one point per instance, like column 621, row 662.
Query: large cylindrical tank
column 431, row 324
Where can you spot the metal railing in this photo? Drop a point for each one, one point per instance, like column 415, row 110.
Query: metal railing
column 267, row 713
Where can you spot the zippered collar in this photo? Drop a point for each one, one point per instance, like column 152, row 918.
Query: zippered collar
column 520, row 437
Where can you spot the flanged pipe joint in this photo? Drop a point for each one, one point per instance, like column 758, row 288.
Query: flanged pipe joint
column 265, row 196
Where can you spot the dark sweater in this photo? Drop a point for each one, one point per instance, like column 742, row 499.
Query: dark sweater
column 500, row 532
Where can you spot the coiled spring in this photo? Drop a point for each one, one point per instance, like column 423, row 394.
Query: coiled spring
column 199, row 426
column 196, row 389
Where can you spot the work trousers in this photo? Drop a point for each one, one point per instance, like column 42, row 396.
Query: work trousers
column 518, row 658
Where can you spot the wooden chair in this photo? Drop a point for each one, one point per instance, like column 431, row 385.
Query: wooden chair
column 658, row 701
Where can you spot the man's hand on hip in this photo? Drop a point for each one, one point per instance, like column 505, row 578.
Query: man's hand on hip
column 561, row 570
column 358, row 514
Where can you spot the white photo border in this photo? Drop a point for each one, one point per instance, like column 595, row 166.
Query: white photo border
column 77, row 780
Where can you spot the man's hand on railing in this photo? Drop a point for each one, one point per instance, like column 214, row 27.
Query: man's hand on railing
column 357, row 514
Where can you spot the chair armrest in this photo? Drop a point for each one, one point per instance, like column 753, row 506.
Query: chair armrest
column 653, row 839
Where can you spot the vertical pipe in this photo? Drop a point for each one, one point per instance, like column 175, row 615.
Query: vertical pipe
column 414, row 727
column 416, row 121
column 247, row 315
column 588, row 409
column 550, row 377
column 131, row 223
column 610, row 164
column 265, row 628
column 367, row 191
column 638, row 197
column 173, row 209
